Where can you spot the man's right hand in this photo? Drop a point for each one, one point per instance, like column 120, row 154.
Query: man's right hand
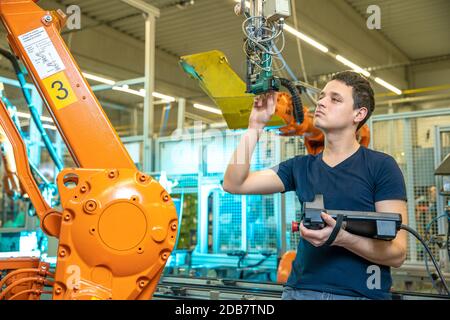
column 263, row 110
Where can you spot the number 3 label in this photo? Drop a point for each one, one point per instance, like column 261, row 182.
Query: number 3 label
column 61, row 93
column 60, row 87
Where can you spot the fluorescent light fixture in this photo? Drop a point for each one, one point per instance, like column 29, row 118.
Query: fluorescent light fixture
column 47, row 119
column 206, row 108
column 163, row 97
column 305, row 38
column 141, row 92
column 388, row 86
column 98, row 78
column 350, row 64
column 218, row 125
column 28, row 116
column 128, row 90
column 23, row 115
column 48, row 126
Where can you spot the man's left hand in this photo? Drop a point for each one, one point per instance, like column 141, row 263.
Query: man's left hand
column 318, row 237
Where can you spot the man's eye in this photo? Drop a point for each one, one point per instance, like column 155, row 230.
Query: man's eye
column 335, row 100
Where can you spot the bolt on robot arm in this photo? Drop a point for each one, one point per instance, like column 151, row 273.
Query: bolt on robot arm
column 117, row 225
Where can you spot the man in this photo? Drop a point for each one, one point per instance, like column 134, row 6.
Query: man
column 350, row 177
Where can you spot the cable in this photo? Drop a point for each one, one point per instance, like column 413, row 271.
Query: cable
column 427, row 231
column 37, row 292
column 19, row 271
column 296, row 100
column 448, row 236
column 414, row 233
column 430, row 275
column 428, row 226
column 261, row 37
column 33, row 111
column 24, row 280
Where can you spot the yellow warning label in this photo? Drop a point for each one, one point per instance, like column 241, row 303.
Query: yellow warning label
column 60, row 91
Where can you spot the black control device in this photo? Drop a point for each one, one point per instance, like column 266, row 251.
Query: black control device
column 377, row 225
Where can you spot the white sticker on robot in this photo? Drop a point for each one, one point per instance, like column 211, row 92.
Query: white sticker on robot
column 42, row 52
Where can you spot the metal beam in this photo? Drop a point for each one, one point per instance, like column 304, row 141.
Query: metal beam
column 143, row 6
column 407, row 145
column 149, row 89
column 443, row 96
column 14, row 83
column 197, row 117
column 412, row 114
column 181, row 113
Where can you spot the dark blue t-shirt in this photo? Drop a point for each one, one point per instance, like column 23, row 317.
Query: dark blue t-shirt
column 355, row 184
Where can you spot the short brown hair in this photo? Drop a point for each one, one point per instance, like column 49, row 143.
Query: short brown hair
column 363, row 95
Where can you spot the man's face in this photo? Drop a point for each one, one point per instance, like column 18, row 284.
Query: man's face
column 334, row 110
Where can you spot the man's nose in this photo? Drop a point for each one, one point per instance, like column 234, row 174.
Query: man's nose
column 320, row 103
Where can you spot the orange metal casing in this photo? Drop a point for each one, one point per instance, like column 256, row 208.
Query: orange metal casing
column 118, row 226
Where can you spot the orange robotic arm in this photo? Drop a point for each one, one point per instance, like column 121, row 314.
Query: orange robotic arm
column 118, row 225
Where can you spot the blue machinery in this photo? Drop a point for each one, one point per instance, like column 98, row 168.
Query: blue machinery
column 19, row 234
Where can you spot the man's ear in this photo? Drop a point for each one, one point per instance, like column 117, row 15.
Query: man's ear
column 360, row 114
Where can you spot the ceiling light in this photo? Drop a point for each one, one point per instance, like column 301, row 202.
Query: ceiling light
column 23, row 115
column 128, row 90
column 218, row 125
column 47, row 119
column 388, row 86
column 28, row 116
column 98, row 78
column 141, row 93
column 163, row 97
column 350, row 64
column 206, row 108
column 48, row 126
column 305, row 38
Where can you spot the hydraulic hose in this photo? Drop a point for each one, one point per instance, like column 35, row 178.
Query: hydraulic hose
column 34, row 113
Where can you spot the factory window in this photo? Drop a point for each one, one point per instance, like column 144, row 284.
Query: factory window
column 261, row 224
column 227, row 222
